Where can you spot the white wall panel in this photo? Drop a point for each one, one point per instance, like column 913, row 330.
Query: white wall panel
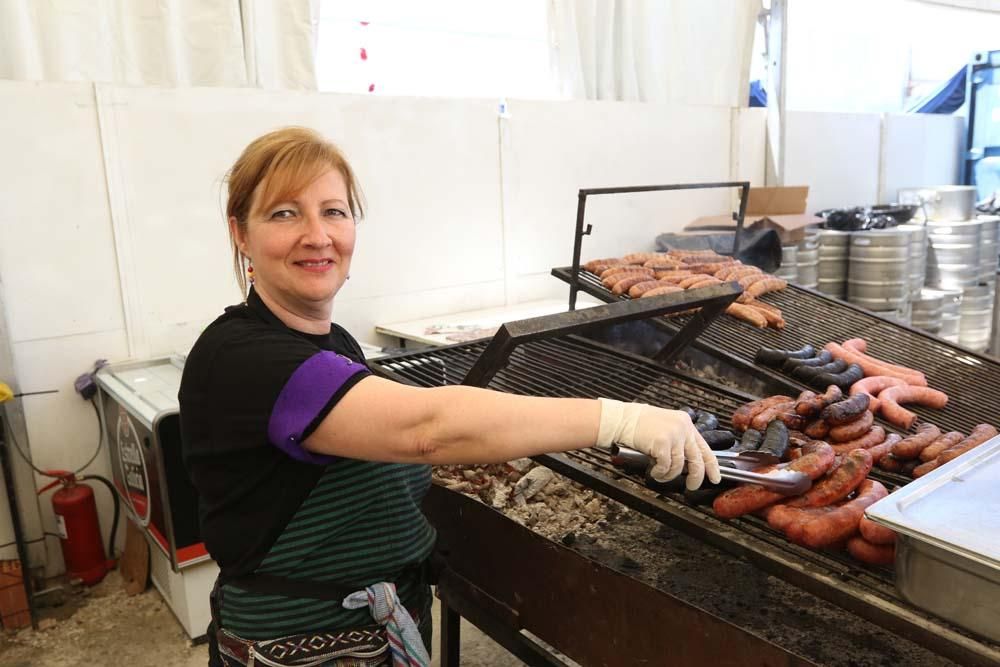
column 749, row 145
column 918, row 150
column 428, row 167
column 835, row 154
column 552, row 149
column 57, row 259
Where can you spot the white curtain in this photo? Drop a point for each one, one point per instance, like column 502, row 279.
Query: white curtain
column 982, row 5
column 689, row 51
column 262, row 43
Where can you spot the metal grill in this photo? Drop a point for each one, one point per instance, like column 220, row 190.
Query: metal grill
column 971, row 380
column 572, row 366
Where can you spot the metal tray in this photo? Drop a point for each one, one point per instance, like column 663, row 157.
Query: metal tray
column 948, row 550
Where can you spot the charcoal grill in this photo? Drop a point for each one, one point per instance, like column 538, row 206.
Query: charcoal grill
column 970, row 379
column 544, row 357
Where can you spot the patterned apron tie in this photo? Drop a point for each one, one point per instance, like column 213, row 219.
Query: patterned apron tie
column 404, row 639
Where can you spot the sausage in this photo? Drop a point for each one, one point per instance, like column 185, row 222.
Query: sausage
column 739, row 274
column 853, row 430
column 843, row 380
column 926, row 467
column 623, row 268
column 890, row 463
column 804, row 372
column 775, row 358
column 693, row 278
column 875, row 367
column 662, row 289
column 846, row 411
column 873, row 554
column 873, row 437
column 804, row 399
column 809, row 407
column 762, row 287
column 767, row 415
column 662, row 262
column 709, row 267
column 718, row 439
column 749, row 442
column 882, row 450
column 876, row 533
column 853, row 470
column 608, row 261
column 610, row 280
column 672, row 274
column 706, row 421
column 641, row 257
column 625, row 284
column 745, row 413
column 792, row 421
column 817, row 429
column 856, row 344
column 775, row 439
column 820, row 359
column 910, row 448
column 979, row 435
column 933, row 450
column 890, row 399
column 874, row 384
column 707, row 282
column 747, row 314
column 909, row 466
column 639, row 289
column 835, row 526
column 752, row 497
column 747, row 281
column 774, row 318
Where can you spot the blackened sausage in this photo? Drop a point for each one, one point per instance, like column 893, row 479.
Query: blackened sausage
column 843, row 380
column 775, row 358
column 847, row 410
column 775, row 439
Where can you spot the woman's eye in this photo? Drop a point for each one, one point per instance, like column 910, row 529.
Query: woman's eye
column 336, row 212
column 282, row 214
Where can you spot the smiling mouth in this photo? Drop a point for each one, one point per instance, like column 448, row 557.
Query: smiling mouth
column 315, row 264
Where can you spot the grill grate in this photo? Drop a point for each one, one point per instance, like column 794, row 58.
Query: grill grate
column 971, row 380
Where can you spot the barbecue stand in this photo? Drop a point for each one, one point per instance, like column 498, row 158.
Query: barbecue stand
column 581, row 208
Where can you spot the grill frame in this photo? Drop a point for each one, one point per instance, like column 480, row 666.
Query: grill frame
column 736, row 342
column 866, row 591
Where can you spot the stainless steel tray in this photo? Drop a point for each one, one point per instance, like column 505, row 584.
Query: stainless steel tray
column 948, row 551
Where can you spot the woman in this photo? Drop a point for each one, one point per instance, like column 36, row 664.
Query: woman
column 310, row 470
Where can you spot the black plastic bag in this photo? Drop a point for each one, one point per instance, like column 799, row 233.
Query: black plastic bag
column 758, row 247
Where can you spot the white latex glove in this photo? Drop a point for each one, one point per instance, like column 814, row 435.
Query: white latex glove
column 667, row 436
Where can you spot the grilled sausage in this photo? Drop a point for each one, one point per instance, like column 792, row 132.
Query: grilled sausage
column 749, row 442
column 774, row 318
column 662, row 289
column 804, row 372
column 873, row 554
column 821, row 359
column 874, row 384
column 670, row 275
column 876, row 533
column 623, row 268
column 707, row 282
column 719, row 439
column 873, row 437
column 817, row 429
column 872, row 366
column 926, row 467
column 775, row 358
column 745, row 413
column 625, row 284
column 747, row 314
column 639, row 289
column 709, row 267
column 641, row 257
column 852, row 430
column 775, row 439
column 832, row 527
column 856, row 344
column 663, row 263
column 610, row 279
column 767, row 415
column 706, row 421
column 979, row 435
column 812, row 406
column 740, row 273
column 933, row 450
column 910, row 448
column 882, row 450
column 839, row 484
column 692, row 279
column 752, row 497
column 846, row 411
column 762, row 287
column 890, row 399
column 607, row 262
column 843, row 380
column 890, row 463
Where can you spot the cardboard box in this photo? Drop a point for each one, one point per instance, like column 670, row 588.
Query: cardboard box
column 782, row 209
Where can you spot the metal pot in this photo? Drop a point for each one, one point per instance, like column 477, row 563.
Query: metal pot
column 944, row 202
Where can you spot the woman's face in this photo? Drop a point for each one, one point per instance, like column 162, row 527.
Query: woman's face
column 301, row 249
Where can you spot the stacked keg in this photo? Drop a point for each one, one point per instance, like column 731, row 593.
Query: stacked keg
column 807, row 260
column 789, row 269
column 976, row 321
column 953, row 253
column 879, row 278
column 988, row 249
column 832, row 267
column 927, row 309
column 917, row 262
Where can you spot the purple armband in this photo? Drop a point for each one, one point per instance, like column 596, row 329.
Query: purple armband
column 303, row 397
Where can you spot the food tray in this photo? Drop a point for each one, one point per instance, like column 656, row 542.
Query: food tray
column 948, row 550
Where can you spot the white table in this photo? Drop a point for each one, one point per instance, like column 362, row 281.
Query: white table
column 475, row 324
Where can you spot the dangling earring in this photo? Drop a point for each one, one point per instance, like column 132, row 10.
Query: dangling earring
column 250, row 277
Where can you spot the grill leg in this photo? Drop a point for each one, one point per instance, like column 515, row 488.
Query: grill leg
column 451, row 637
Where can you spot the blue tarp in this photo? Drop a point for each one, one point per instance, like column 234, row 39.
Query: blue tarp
column 948, row 98
column 758, row 96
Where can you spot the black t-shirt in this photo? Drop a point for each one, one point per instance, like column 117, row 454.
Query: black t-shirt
column 252, row 390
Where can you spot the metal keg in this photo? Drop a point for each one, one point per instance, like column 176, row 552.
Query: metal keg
column 789, row 259
column 951, row 303
column 976, row 322
column 988, row 248
column 917, row 261
column 901, row 315
column 879, row 278
column 831, row 268
column 953, row 253
column 807, row 263
column 995, row 337
column 926, row 310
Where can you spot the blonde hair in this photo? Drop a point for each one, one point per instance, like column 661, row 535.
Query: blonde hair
column 275, row 167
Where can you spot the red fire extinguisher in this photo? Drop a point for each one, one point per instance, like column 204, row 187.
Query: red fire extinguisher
column 76, row 513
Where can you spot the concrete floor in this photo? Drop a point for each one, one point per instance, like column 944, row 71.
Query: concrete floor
column 91, row 625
